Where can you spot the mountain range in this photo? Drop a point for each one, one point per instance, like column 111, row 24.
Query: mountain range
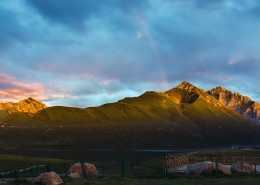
column 183, row 116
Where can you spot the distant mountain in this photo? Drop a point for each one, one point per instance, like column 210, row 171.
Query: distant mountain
column 242, row 104
column 28, row 107
column 182, row 116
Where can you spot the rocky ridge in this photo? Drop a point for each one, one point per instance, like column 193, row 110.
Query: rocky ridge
column 242, row 104
column 28, row 105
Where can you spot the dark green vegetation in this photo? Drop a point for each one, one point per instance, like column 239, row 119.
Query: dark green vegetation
column 142, row 171
column 229, row 152
column 8, row 162
column 154, row 181
column 175, row 181
column 182, row 116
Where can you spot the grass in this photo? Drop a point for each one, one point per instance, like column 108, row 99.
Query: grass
column 162, row 181
column 8, row 162
column 140, row 179
column 230, row 152
column 171, row 181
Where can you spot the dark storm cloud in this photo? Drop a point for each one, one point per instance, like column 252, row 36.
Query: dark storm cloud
column 88, row 52
column 75, row 14
column 208, row 4
column 198, row 41
column 66, row 12
column 10, row 31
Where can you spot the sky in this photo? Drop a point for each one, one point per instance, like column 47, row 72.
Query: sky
column 90, row 52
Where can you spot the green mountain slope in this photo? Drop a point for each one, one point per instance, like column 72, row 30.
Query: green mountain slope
column 184, row 115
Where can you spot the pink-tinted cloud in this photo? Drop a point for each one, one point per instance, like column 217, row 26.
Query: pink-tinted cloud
column 12, row 90
column 107, row 82
column 235, row 59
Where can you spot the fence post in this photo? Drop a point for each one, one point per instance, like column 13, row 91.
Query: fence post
column 144, row 168
column 32, row 174
column 216, row 165
column 163, row 166
column 83, row 169
column 255, row 166
column 212, row 166
column 123, row 167
column 243, row 165
column 48, row 169
column 166, row 166
column 188, row 164
column 65, row 170
column 16, row 175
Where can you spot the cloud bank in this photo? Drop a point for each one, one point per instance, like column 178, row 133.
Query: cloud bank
column 86, row 53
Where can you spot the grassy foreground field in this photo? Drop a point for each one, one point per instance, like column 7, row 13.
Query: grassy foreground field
column 238, row 180
column 221, row 153
column 174, row 181
column 13, row 161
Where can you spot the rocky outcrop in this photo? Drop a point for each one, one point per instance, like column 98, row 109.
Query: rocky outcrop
column 184, row 93
column 76, row 171
column 242, row 168
column 48, row 178
column 208, row 167
column 28, row 105
column 242, row 104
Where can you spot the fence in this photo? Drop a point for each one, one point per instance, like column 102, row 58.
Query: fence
column 29, row 173
column 150, row 167
column 181, row 164
column 120, row 167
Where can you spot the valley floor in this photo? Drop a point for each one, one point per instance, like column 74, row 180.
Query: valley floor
column 138, row 169
column 175, row 181
column 238, row 180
